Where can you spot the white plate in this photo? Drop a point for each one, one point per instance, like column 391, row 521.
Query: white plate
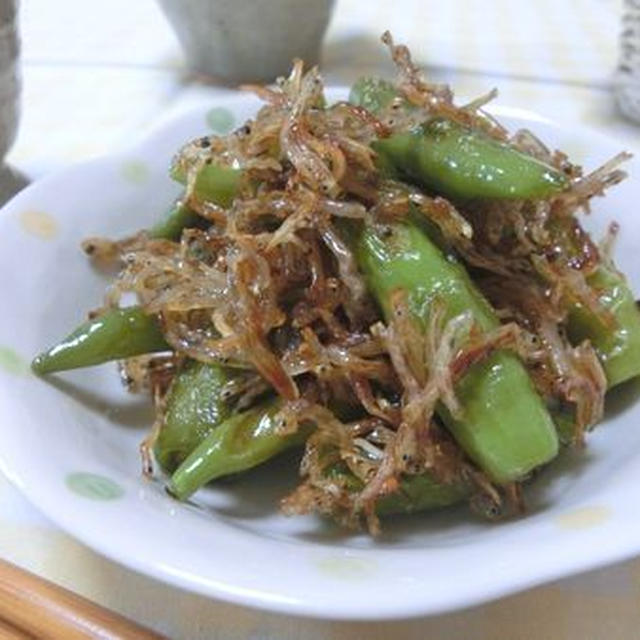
column 233, row 544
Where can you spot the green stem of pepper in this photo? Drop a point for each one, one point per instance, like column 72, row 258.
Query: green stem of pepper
column 116, row 334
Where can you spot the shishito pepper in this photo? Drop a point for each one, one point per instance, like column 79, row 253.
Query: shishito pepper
column 241, row 442
column 374, row 94
column 617, row 345
column 457, row 161
column 415, row 493
column 248, row 439
column 421, row 493
column 195, row 405
column 179, row 217
column 214, row 183
column 116, row 334
column 505, row 427
column 462, row 163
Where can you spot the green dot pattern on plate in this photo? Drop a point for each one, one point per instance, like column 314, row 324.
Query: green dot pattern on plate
column 341, row 567
column 220, row 120
column 135, row 172
column 93, row 486
column 11, row 362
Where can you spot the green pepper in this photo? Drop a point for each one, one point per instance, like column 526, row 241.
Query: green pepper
column 618, row 347
column 416, row 492
column 194, row 407
column 248, row 439
column 564, row 417
column 457, row 161
column 463, row 163
column 241, row 442
column 420, row 493
column 374, row 94
column 505, row 428
column 178, row 218
column 116, row 334
column 214, row 183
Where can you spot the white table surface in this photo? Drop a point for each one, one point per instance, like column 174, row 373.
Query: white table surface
column 97, row 73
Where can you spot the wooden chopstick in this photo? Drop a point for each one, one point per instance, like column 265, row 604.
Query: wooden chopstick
column 31, row 607
column 9, row 632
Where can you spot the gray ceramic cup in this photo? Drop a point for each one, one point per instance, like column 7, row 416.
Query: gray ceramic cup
column 9, row 77
column 11, row 181
column 238, row 41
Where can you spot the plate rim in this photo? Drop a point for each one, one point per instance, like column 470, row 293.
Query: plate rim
column 42, row 500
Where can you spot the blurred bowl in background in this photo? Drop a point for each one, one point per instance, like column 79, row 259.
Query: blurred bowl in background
column 238, row 41
column 11, row 180
column 9, row 75
column 626, row 83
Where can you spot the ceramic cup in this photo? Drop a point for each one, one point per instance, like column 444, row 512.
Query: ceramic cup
column 10, row 180
column 248, row 40
column 627, row 79
column 9, row 80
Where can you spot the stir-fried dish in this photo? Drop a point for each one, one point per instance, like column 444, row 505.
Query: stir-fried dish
column 394, row 285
